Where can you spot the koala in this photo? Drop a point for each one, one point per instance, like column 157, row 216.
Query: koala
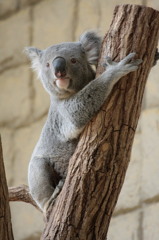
column 66, row 73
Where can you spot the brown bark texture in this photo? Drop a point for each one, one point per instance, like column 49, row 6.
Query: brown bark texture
column 5, row 217
column 97, row 169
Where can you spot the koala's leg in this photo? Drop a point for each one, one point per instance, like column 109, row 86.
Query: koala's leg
column 43, row 181
column 80, row 108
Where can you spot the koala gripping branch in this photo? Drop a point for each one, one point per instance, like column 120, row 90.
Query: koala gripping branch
column 97, row 169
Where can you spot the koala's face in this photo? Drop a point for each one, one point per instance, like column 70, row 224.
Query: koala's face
column 64, row 69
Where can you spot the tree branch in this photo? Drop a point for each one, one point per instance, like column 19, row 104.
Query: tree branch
column 21, row 193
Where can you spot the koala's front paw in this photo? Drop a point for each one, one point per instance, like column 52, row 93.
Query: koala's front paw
column 125, row 66
column 130, row 66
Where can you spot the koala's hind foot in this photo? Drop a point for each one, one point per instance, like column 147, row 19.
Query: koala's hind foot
column 43, row 181
column 53, row 196
column 156, row 57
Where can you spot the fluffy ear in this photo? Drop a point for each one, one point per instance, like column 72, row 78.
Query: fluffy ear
column 91, row 44
column 34, row 55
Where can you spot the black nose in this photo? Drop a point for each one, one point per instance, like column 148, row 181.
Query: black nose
column 59, row 65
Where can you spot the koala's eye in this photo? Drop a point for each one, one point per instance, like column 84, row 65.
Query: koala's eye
column 73, row 60
column 47, row 64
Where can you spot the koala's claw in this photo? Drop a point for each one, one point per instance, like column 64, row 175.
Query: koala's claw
column 133, row 66
column 127, row 58
column 128, row 65
column 137, row 62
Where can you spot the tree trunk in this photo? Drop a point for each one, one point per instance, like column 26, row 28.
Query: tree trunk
column 5, row 217
column 97, row 169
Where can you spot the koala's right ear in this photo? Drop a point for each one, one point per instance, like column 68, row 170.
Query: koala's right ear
column 34, row 55
column 91, row 44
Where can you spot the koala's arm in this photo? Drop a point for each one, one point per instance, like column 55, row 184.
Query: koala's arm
column 82, row 106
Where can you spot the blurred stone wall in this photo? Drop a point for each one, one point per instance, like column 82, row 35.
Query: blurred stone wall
column 24, row 106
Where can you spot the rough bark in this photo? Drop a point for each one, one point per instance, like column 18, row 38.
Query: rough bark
column 97, row 169
column 5, row 217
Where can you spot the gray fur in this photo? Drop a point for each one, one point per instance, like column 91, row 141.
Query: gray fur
column 74, row 101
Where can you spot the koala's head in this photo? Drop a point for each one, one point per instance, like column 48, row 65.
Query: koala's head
column 64, row 69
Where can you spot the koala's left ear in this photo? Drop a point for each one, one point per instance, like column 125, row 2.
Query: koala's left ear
column 34, row 55
column 91, row 44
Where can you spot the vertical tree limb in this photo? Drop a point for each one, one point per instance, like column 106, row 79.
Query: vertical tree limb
column 5, row 217
column 97, row 169
column 22, row 194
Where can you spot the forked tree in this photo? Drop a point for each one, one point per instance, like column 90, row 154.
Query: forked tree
column 97, row 169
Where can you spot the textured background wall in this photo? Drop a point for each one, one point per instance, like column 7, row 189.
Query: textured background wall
column 24, row 105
